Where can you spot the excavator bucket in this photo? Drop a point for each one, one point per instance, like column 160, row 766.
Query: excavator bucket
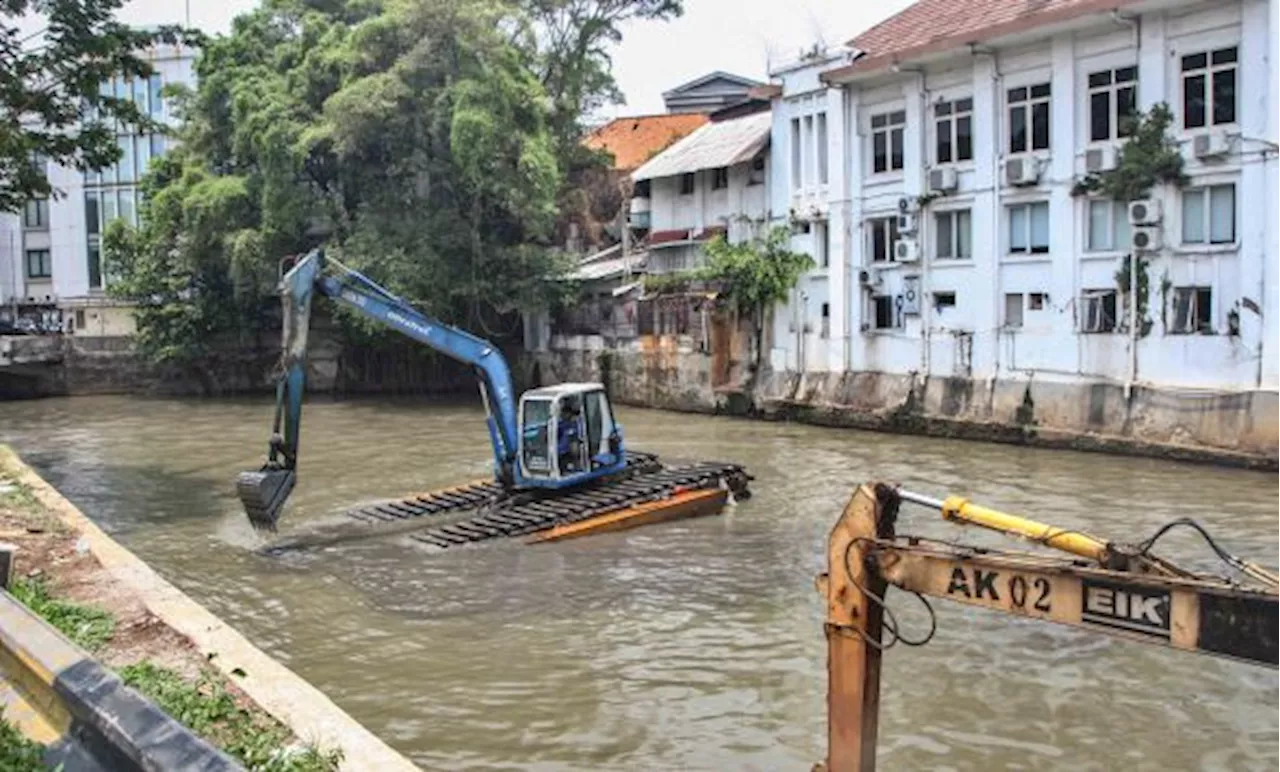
column 263, row 494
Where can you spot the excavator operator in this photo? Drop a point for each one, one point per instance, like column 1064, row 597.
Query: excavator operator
column 569, row 440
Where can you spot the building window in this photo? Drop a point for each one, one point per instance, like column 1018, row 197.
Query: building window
column 686, row 184
column 1036, row 300
column 953, row 239
column 1029, row 228
column 886, row 141
column 1013, row 310
column 95, row 267
column 823, row 172
column 795, row 154
column 1029, row 118
column 39, row 266
column 1108, row 226
column 822, row 244
column 953, row 130
column 884, row 311
column 808, row 150
column 943, row 300
column 154, row 84
column 1113, row 100
column 1209, row 215
column 826, row 320
column 1209, row 88
column 719, row 178
column 1098, row 311
column 884, row 235
column 1191, row 310
column 756, row 175
column 35, row 215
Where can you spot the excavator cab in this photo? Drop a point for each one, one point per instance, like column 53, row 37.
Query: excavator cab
column 567, row 431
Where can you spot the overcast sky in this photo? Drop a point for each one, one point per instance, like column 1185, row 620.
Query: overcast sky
column 738, row 36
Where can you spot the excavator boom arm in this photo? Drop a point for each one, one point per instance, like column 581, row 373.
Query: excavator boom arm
column 263, row 492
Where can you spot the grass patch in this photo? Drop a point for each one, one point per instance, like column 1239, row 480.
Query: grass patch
column 87, row 626
column 15, row 495
column 17, row 753
column 209, row 710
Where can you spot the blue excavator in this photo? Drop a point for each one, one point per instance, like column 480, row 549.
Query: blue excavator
column 557, row 438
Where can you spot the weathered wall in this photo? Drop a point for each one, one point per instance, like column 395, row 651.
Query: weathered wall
column 1232, row 428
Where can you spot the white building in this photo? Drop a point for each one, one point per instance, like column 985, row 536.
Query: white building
column 977, row 126
column 50, row 258
column 714, row 181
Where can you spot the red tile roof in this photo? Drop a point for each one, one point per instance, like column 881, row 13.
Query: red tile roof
column 635, row 140
column 931, row 26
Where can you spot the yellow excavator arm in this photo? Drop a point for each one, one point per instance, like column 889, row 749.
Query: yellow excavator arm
column 1105, row 587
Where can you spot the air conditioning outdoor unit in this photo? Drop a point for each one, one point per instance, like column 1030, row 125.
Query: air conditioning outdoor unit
column 1022, row 171
column 868, row 277
column 907, row 223
column 1145, row 211
column 907, row 204
column 1211, row 145
column 943, row 180
column 906, row 251
column 1144, row 238
column 1100, row 159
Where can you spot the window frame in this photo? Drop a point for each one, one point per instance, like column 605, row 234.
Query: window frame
column 1119, row 214
column 1028, row 103
column 1208, row 73
column 1008, row 324
column 890, row 224
column 1197, row 325
column 951, row 112
column 720, row 178
column 891, row 125
column 756, row 171
column 688, row 183
column 1030, row 251
column 821, row 138
column 797, row 156
column 875, row 302
column 953, row 225
column 1100, row 296
column 1206, row 190
column 41, row 210
column 1112, row 89
column 46, row 263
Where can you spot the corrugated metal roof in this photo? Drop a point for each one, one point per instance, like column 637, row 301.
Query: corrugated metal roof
column 714, row 145
column 607, row 264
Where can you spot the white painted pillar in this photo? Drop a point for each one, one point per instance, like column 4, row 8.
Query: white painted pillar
column 1065, row 211
column 851, row 192
column 985, row 217
column 838, row 272
column 1270, row 302
column 1256, row 196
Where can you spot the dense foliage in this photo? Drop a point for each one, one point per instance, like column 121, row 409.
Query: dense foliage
column 415, row 139
column 51, row 105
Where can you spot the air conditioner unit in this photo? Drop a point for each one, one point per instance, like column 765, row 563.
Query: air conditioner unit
column 943, row 180
column 1145, row 211
column 1144, row 238
column 1100, row 159
column 1211, row 145
column 906, row 251
column 907, row 204
column 1022, row 171
column 869, row 278
column 907, row 223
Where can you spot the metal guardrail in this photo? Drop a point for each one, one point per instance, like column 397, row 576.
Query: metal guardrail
column 82, row 712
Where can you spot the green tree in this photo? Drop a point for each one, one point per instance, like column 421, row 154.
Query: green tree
column 756, row 276
column 51, row 103
column 409, row 137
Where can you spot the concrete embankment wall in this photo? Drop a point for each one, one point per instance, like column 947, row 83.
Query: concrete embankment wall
column 311, row 715
column 1238, row 429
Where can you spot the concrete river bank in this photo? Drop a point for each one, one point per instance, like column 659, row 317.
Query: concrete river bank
column 693, row 645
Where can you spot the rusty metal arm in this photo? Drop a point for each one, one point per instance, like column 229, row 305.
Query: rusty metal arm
column 1151, row 602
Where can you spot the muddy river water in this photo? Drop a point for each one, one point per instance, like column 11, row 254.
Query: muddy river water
column 695, row 645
